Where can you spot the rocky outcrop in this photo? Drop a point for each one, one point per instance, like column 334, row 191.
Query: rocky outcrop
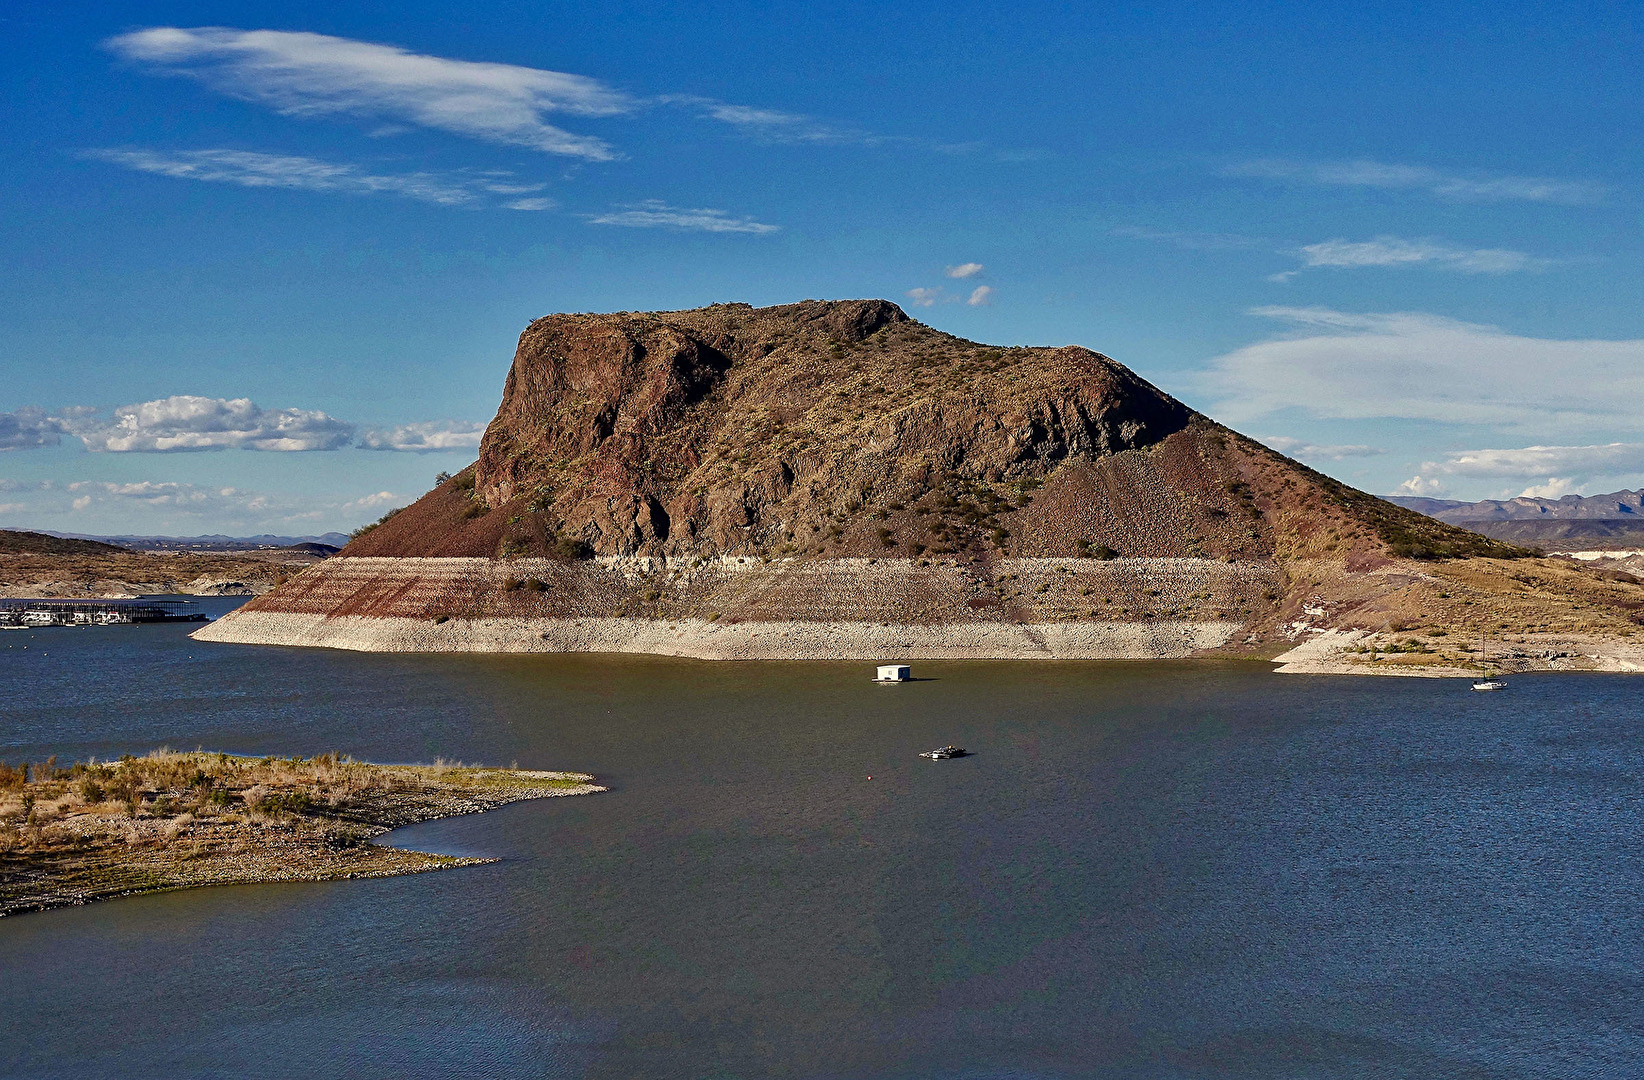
column 836, row 479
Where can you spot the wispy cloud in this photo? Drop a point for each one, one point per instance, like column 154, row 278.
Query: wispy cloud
column 425, row 437
column 1555, row 470
column 167, row 494
column 1476, row 187
column 394, row 90
column 774, row 125
column 981, row 296
column 247, row 168
column 923, row 297
column 155, row 502
column 656, row 214
column 1300, row 448
column 1391, row 251
column 1427, row 367
column 1190, row 241
column 1525, row 461
column 304, row 74
column 965, row 270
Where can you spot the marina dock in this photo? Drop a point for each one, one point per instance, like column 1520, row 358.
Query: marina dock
column 16, row 614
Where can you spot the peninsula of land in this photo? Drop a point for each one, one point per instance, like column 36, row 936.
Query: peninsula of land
column 179, row 820
column 837, row 480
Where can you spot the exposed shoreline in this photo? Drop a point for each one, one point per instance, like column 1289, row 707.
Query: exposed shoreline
column 704, row 640
column 1334, row 652
column 175, row 821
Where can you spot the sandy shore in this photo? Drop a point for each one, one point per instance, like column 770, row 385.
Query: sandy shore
column 723, row 640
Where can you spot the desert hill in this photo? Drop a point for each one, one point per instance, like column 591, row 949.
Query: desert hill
column 835, row 478
column 22, row 542
column 41, row 565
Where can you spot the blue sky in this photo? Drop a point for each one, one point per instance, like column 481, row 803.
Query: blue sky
column 266, row 266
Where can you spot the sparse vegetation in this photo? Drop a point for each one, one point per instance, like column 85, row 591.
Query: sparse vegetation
column 363, row 529
column 172, row 820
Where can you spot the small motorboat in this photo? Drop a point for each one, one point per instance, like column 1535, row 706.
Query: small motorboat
column 942, row 753
column 1489, row 684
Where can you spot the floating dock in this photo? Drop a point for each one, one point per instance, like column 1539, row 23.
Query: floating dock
column 44, row 612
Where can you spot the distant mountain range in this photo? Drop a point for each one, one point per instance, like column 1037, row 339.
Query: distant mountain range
column 211, row 542
column 1573, row 523
column 1616, row 506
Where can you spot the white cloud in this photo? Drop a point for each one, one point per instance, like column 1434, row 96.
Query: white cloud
column 425, row 437
column 29, row 428
column 185, row 422
column 1427, row 367
column 394, row 90
column 250, row 169
column 923, row 297
column 1560, row 469
column 980, row 296
column 531, row 204
column 1387, row 251
column 1298, row 448
column 655, row 214
column 1425, row 486
column 1479, row 187
column 1554, row 488
column 305, row 74
column 374, row 501
column 1606, row 458
column 964, row 270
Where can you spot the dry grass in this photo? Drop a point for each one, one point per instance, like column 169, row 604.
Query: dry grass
column 173, row 820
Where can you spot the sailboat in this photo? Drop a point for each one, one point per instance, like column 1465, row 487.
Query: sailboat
column 1486, row 683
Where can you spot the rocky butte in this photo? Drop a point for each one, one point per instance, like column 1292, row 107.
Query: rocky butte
column 837, row 480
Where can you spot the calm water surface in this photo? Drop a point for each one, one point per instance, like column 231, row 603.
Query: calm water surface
column 1160, row 870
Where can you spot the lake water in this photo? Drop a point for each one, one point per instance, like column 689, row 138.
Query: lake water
column 1145, row 870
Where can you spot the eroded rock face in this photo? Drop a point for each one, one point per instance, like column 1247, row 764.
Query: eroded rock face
column 701, row 431
column 844, row 428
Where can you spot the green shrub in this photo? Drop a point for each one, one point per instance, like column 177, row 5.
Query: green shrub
column 566, row 547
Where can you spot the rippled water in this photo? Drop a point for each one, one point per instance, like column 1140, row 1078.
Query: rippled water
column 1159, row 870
